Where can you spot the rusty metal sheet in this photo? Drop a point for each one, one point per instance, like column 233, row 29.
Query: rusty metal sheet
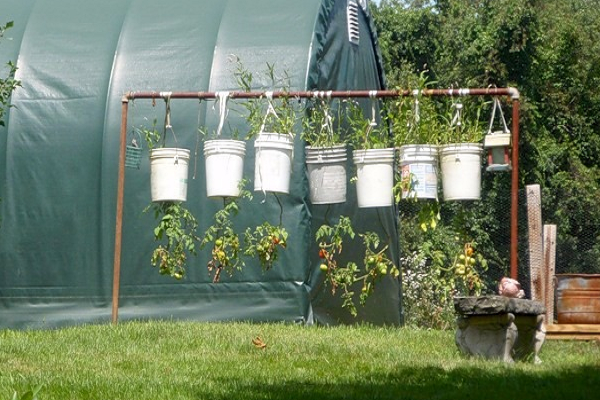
column 578, row 298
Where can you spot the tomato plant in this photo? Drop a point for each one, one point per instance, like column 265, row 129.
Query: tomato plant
column 225, row 242
column 176, row 231
column 376, row 263
column 264, row 243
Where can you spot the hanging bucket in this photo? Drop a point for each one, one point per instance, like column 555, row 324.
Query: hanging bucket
column 374, row 177
column 169, row 174
column 224, row 161
column 419, row 166
column 327, row 174
column 578, row 298
column 461, row 171
column 273, row 162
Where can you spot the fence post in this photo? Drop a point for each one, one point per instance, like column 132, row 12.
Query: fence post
column 549, row 269
column 535, row 230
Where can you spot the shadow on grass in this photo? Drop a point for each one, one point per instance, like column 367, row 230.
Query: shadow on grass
column 437, row 383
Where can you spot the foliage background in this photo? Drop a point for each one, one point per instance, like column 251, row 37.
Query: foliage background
column 550, row 51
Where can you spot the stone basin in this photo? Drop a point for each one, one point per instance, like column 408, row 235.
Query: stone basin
column 498, row 327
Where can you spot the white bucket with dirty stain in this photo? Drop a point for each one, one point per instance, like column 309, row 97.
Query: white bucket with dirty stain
column 327, row 173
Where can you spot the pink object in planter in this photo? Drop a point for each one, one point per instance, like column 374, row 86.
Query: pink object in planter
column 510, row 288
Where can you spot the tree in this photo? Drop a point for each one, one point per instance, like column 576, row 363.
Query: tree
column 550, row 51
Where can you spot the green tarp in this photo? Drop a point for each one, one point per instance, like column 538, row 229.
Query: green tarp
column 59, row 156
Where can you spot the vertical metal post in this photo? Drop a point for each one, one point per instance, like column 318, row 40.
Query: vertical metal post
column 119, row 222
column 514, row 204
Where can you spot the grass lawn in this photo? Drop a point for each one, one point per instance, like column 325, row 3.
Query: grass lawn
column 186, row 360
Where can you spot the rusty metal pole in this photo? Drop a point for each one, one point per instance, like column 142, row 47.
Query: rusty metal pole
column 514, row 204
column 119, row 217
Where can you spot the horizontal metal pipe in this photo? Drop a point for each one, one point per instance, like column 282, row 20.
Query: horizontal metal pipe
column 512, row 92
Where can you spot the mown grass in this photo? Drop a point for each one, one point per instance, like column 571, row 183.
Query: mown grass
column 185, row 360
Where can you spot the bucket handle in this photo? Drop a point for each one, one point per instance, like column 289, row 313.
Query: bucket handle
column 457, row 118
column 167, row 124
column 498, row 106
column 373, row 123
column 271, row 111
column 223, row 111
column 416, row 117
column 327, row 126
column 456, row 123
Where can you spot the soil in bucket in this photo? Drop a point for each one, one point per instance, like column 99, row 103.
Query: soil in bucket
column 273, row 162
column 169, row 174
column 224, row 160
column 461, row 171
column 326, row 174
column 375, row 177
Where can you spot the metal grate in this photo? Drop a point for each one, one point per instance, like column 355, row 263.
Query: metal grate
column 353, row 27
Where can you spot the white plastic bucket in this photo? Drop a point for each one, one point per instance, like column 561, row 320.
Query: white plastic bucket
column 327, row 174
column 375, row 177
column 419, row 167
column 273, row 162
column 224, row 160
column 169, row 174
column 461, row 171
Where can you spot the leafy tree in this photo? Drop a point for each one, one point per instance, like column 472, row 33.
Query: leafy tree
column 550, row 51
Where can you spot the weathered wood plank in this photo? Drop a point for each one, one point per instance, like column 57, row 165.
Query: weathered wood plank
column 573, row 328
column 549, row 269
column 573, row 332
column 535, row 231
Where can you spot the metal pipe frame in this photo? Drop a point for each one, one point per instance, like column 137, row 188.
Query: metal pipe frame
column 511, row 92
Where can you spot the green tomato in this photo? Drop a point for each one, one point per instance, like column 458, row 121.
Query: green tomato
column 324, row 267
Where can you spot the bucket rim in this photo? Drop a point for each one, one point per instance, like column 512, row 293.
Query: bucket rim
column 419, row 145
column 229, row 147
column 170, row 152
column 341, row 146
column 460, row 146
column 267, row 136
column 336, row 160
column 215, row 142
column 374, row 156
